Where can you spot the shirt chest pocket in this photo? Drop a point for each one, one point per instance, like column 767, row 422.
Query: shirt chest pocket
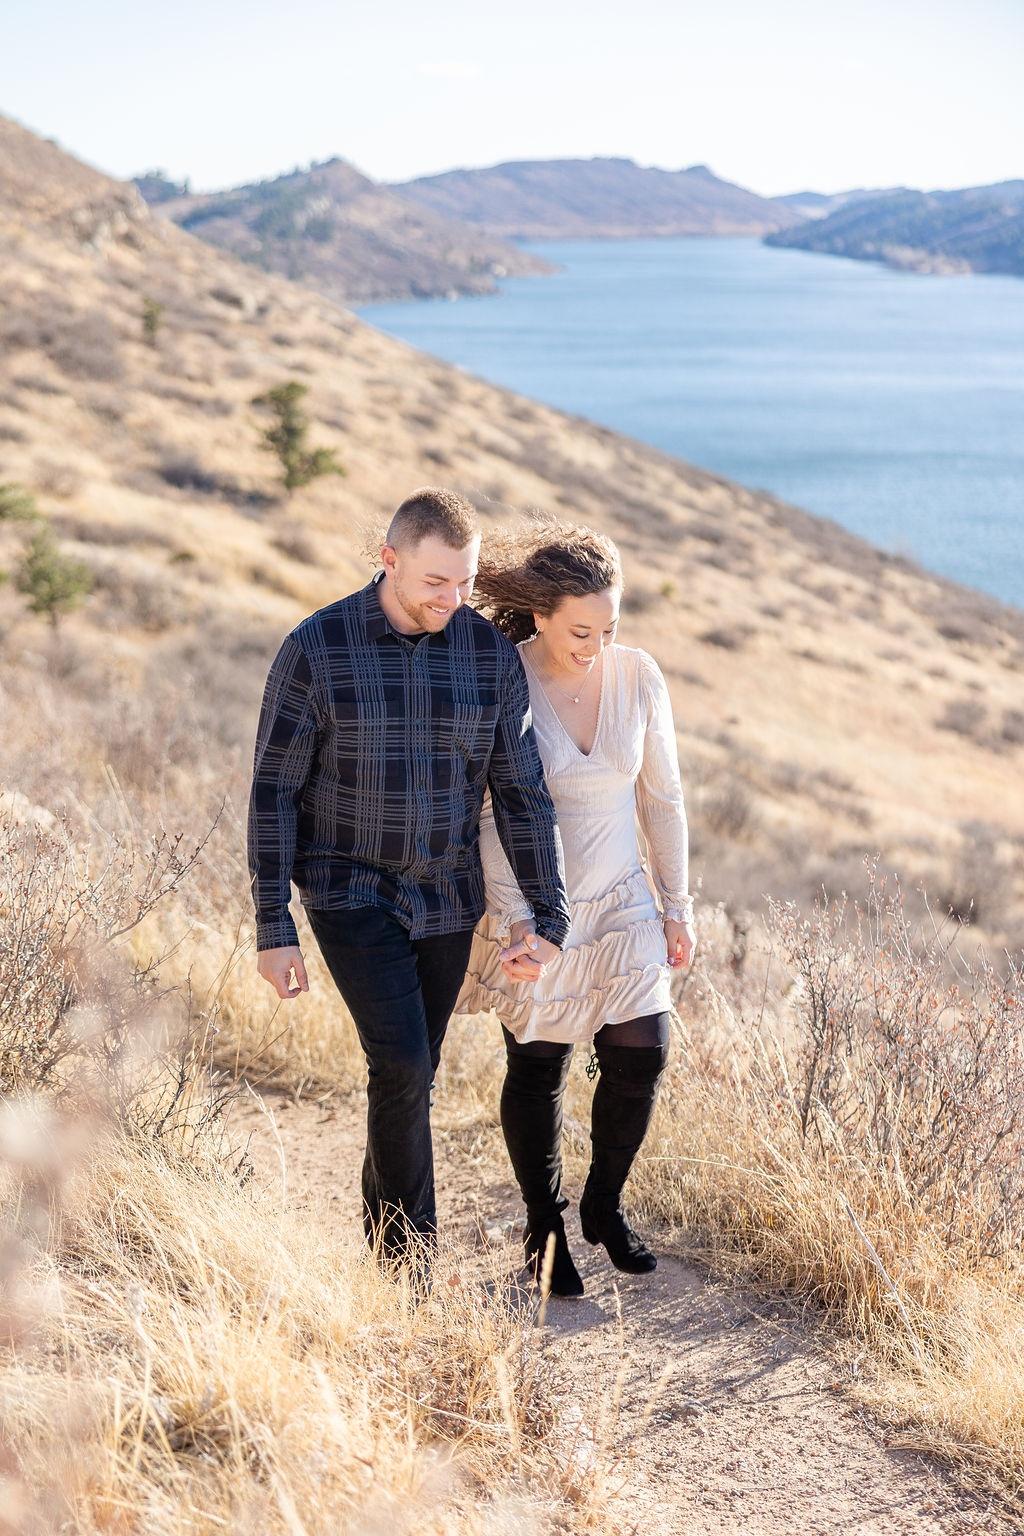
column 463, row 735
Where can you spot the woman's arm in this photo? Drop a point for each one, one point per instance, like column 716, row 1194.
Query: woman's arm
column 505, row 901
column 659, row 800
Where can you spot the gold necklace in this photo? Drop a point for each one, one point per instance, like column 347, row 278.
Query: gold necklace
column 570, row 698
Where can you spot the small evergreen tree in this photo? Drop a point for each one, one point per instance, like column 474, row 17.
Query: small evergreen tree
column 52, row 582
column 152, row 314
column 288, row 437
column 17, row 505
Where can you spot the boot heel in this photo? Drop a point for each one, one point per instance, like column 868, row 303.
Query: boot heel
column 589, row 1234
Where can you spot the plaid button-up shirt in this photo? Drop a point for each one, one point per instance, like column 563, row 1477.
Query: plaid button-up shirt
column 373, row 752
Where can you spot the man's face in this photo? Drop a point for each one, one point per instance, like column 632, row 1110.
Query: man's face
column 430, row 581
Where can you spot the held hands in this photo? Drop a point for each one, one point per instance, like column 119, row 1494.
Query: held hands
column 681, row 941
column 527, row 953
column 276, row 966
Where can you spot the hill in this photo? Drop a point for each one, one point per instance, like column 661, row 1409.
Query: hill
column 238, row 1361
column 977, row 229
column 815, row 205
column 833, row 700
column 337, row 231
column 596, row 199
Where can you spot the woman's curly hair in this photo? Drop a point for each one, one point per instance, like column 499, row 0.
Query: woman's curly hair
column 531, row 568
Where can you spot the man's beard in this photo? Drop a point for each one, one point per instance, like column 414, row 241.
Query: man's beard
column 418, row 613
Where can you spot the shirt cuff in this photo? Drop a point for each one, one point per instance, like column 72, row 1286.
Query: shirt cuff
column 680, row 910
column 555, row 930
column 276, row 931
column 507, row 916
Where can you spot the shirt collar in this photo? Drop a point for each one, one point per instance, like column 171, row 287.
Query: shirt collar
column 377, row 622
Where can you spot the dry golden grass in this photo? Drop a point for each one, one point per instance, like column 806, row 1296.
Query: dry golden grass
column 213, row 1358
column 189, row 1348
column 206, row 1354
column 843, row 1122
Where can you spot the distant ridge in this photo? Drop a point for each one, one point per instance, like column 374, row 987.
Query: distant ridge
column 602, row 198
column 976, row 229
column 816, row 205
column 337, row 231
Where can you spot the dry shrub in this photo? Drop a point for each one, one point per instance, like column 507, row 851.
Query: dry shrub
column 297, row 544
column 83, row 345
column 80, row 1016
column 1012, row 728
column 853, row 1131
column 979, row 886
column 184, row 471
column 964, row 716
column 136, row 593
column 58, row 479
column 728, row 810
column 922, row 1074
column 731, row 638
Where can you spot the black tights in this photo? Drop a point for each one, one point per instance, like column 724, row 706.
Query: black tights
column 632, row 1058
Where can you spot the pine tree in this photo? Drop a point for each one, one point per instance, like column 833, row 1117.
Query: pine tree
column 52, row 582
column 152, row 314
column 17, row 505
column 288, row 437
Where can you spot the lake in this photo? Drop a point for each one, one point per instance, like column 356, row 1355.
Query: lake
column 891, row 402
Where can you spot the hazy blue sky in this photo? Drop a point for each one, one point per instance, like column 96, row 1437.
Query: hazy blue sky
column 776, row 94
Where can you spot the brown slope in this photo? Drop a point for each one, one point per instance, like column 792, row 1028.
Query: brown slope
column 339, row 232
column 598, row 198
column 831, row 700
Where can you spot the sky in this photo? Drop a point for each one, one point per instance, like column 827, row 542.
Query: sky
column 779, row 95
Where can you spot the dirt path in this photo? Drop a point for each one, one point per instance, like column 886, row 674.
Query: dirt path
column 751, row 1434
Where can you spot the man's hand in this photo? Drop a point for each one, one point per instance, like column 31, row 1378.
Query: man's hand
column 527, row 953
column 681, row 941
column 276, row 966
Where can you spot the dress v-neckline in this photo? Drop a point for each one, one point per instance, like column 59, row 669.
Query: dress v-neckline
column 586, row 756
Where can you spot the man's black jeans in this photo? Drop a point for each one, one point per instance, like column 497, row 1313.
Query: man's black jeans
column 400, row 993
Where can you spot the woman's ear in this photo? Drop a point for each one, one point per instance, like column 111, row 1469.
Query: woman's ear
column 538, row 623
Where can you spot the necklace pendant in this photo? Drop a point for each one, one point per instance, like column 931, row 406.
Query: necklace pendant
column 575, row 701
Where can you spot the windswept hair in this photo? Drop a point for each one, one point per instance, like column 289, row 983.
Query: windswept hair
column 531, row 568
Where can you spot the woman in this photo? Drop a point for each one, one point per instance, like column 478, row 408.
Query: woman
column 604, row 726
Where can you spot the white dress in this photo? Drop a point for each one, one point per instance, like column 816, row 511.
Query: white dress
column 613, row 965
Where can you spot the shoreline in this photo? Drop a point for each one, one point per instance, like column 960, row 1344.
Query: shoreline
column 996, row 602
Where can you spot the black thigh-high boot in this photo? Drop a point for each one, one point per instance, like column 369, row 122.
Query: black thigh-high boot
column 623, row 1105
column 531, row 1119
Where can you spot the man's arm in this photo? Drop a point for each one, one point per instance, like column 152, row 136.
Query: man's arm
column 523, row 813
column 286, row 744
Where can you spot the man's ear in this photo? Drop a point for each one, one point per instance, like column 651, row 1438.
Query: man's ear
column 388, row 556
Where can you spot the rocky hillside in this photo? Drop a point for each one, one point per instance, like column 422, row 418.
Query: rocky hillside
column 831, row 700
column 977, row 229
column 346, row 236
column 599, row 198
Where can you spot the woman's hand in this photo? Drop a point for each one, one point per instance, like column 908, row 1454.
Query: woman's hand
column 681, row 941
column 527, row 953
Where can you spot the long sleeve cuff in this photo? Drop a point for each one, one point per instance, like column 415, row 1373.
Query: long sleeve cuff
column 276, row 930
column 553, row 927
column 507, row 915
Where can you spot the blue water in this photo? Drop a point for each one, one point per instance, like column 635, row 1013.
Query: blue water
column 891, row 402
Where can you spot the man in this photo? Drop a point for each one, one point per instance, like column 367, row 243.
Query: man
column 385, row 717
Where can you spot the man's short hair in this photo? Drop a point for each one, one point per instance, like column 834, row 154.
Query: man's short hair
column 433, row 512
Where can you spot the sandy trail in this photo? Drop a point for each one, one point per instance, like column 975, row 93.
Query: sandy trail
column 751, row 1435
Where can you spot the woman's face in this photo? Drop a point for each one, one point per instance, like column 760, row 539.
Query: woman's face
column 579, row 629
